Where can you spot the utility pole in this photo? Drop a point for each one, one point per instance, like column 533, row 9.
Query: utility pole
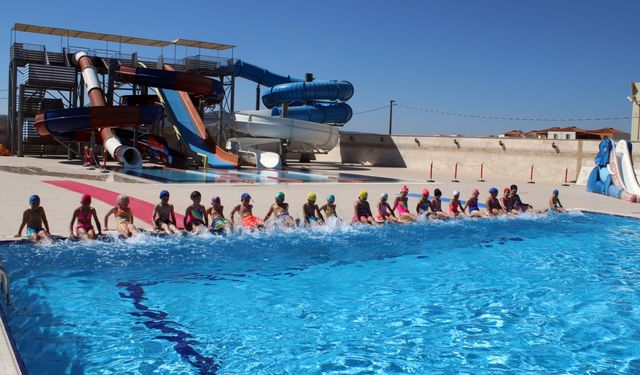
column 391, row 115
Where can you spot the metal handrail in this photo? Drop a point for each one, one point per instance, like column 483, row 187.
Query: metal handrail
column 4, row 283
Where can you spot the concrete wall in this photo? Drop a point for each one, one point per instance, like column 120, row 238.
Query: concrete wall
column 512, row 160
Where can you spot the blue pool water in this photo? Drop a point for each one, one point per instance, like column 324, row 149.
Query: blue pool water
column 238, row 176
column 549, row 294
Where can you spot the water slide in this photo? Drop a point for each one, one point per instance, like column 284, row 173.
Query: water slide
column 312, row 106
column 608, row 175
column 98, row 116
column 625, row 167
column 173, row 88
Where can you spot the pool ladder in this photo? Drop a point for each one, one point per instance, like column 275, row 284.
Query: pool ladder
column 4, row 284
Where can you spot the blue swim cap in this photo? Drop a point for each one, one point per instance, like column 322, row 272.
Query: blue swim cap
column 164, row 194
column 33, row 199
column 245, row 196
column 493, row 191
column 331, row 198
column 555, row 192
column 280, row 196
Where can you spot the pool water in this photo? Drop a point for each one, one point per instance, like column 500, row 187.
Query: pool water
column 546, row 294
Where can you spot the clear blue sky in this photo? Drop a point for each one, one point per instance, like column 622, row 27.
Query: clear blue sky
column 533, row 59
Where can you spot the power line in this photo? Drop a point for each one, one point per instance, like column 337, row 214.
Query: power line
column 488, row 117
column 371, row 110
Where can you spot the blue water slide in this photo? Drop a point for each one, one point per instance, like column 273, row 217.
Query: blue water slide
column 308, row 101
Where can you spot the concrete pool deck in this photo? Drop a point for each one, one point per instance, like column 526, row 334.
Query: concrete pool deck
column 22, row 177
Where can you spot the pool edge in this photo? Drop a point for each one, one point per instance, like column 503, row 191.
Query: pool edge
column 9, row 350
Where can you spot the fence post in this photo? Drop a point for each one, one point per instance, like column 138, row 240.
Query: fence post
column 531, row 176
column 481, row 172
column 431, row 172
column 455, row 173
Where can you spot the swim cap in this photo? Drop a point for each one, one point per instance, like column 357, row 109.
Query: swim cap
column 280, row 196
column 86, row 199
column 404, row 189
column 215, row 200
column 245, row 196
column 195, row 194
column 425, row 191
column 33, row 199
column 437, row 192
column 331, row 198
column 312, row 197
column 363, row 194
column 456, row 193
column 384, row 196
column 493, row 191
column 123, row 199
column 506, row 190
column 556, row 192
column 164, row 194
column 475, row 191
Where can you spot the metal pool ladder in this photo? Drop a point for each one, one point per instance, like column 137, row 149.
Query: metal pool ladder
column 4, row 284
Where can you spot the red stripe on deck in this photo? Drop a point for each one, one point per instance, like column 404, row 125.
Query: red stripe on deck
column 141, row 209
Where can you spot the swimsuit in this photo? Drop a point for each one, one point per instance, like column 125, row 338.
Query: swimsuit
column 494, row 204
column 84, row 221
column 250, row 221
column 472, row 205
column 453, row 207
column 436, row 205
column 384, row 212
column 33, row 230
column 364, row 212
column 401, row 206
column 159, row 222
column 423, row 206
column 194, row 217
column 218, row 225
column 123, row 215
column 507, row 203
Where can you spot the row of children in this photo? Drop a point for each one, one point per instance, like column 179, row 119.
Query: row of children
column 196, row 217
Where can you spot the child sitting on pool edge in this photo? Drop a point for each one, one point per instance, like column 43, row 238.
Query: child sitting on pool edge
column 124, row 216
column 84, row 214
column 164, row 216
column 195, row 217
column 385, row 213
column 329, row 208
column 554, row 202
column 280, row 211
column 311, row 211
column 34, row 217
column 245, row 210
column 362, row 210
column 216, row 211
column 424, row 204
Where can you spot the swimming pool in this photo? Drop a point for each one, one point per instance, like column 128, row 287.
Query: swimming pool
column 263, row 176
column 529, row 295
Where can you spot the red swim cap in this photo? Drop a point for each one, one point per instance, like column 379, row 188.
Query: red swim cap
column 86, row 199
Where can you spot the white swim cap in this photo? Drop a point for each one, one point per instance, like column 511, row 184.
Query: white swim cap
column 384, row 196
column 456, row 193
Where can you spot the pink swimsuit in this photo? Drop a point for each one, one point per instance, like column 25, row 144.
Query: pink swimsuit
column 401, row 207
column 84, row 221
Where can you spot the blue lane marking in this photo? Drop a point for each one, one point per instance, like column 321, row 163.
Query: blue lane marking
column 481, row 205
column 205, row 365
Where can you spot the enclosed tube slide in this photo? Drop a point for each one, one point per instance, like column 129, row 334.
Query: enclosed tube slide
column 99, row 116
column 308, row 101
column 626, row 169
column 211, row 89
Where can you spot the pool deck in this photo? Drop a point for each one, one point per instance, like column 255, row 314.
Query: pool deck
column 22, row 177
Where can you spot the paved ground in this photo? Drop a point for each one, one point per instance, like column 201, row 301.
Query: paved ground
column 22, row 177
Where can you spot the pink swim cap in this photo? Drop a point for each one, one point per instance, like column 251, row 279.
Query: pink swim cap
column 425, row 191
column 86, row 199
column 404, row 189
column 475, row 192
